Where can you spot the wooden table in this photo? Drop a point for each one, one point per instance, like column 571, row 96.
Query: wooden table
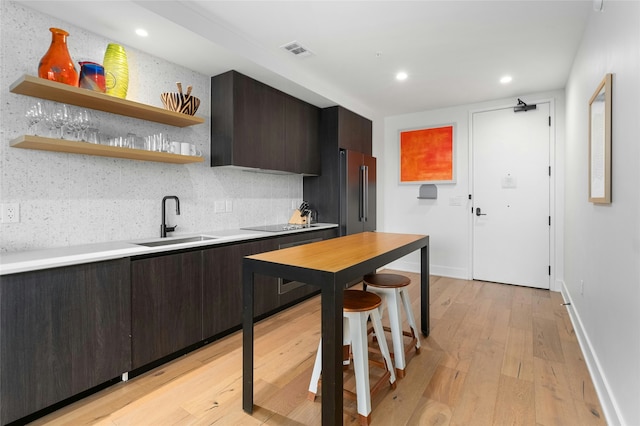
column 330, row 265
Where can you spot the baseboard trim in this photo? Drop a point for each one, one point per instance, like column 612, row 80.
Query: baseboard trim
column 443, row 271
column 611, row 412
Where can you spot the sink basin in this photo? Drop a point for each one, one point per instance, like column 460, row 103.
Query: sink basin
column 172, row 241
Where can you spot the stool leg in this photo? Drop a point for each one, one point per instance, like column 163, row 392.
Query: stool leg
column 410, row 320
column 358, row 329
column 377, row 326
column 395, row 321
column 317, row 366
column 315, row 375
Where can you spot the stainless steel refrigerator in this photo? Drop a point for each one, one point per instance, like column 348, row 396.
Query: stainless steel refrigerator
column 357, row 192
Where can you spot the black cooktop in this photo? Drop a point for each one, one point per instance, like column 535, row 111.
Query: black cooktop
column 274, row 228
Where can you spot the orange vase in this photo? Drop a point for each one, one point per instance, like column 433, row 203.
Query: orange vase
column 56, row 64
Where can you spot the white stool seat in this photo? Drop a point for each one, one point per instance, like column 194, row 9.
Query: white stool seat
column 359, row 306
column 391, row 288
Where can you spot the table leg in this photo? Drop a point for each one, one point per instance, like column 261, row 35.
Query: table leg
column 332, row 301
column 424, row 289
column 247, row 339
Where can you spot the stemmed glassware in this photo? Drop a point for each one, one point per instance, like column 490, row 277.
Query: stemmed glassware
column 35, row 115
column 83, row 120
column 62, row 121
column 57, row 120
column 78, row 123
column 71, row 126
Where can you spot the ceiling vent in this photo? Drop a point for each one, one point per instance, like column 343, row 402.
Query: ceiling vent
column 296, row 49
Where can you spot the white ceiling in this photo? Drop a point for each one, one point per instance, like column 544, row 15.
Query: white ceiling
column 454, row 51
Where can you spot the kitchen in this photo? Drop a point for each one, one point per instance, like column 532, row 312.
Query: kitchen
column 82, row 199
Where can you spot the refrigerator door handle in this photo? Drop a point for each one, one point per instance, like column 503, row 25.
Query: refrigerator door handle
column 363, row 181
column 365, row 192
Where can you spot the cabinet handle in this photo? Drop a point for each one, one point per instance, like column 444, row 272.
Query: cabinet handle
column 362, row 192
column 365, row 197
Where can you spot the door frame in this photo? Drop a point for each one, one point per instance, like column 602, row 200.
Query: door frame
column 553, row 286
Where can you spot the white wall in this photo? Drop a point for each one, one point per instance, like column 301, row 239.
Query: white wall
column 449, row 225
column 602, row 242
column 68, row 199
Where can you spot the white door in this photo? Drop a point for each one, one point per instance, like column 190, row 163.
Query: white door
column 511, row 190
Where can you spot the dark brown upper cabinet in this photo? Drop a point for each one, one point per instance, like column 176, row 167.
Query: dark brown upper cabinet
column 350, row 130
column 302, row 122
column 339, row 129
column 256, row 126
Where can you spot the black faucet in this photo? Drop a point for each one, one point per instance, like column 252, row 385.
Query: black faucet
column 164, row 228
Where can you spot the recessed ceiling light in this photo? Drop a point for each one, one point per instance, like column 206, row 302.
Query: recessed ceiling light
column 141, row 32
column 401, row 76
column 506, row 79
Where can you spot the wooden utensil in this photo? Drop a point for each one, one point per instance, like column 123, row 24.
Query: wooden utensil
column 180, row 93
column 189, row 87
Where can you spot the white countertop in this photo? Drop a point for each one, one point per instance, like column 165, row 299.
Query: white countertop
column 31, row 260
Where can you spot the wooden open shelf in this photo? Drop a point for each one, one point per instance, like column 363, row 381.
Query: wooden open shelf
column 74, row 147
column 59, row 92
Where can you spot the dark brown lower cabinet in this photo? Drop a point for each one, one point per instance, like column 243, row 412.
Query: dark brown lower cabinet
column 166, row 298
column 222, row 283
column 288, row 293
column 222, row 286
column 67, row 330
column 62, row 331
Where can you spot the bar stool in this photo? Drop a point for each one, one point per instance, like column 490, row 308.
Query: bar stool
column 358, row 307
column 391, row 288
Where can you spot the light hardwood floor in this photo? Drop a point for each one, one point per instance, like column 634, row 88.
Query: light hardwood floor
column 497, row 355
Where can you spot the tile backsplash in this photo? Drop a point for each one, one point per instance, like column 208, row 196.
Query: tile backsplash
column 71, row 199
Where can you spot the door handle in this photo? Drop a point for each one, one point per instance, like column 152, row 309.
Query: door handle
column 479, row 213
column 365, row 197
column 363, row 189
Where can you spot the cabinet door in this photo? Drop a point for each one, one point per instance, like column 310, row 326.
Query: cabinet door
column 222, row 119
column 222, row 286
column 302, row 153
column 286, row 295
column 166, row 305
column 354, row 132
column 259, row 135
column 62, row 331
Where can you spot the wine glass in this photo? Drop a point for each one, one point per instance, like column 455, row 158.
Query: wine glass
column 83, row 120
column 59, row 117
column 71, row 126
column 34, row 116
column 49, row 120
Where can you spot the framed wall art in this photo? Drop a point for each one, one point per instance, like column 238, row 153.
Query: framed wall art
column 600, row 143
column 427, row 155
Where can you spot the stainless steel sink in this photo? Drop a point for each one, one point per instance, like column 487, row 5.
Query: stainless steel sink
column 172, row 241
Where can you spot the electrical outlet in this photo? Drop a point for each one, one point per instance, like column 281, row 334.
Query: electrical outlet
column 10, row 213
column 228, row 206
column 219, row 207
column 581, row 287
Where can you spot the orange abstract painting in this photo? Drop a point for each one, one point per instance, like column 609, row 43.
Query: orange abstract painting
column 427, row 155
